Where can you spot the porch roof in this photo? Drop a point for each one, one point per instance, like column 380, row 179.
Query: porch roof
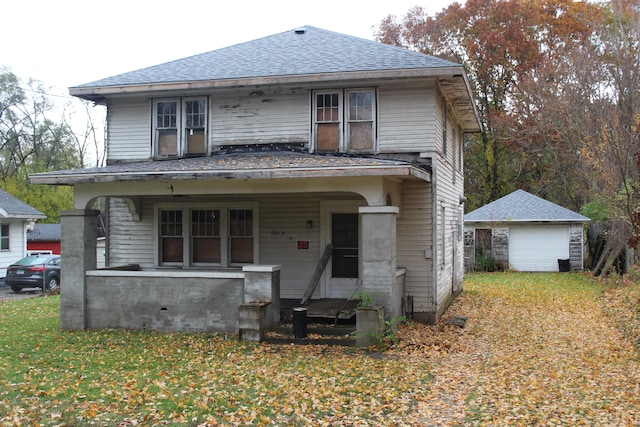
column 243, row 166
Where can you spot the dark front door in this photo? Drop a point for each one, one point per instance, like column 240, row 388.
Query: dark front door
column 344, row 237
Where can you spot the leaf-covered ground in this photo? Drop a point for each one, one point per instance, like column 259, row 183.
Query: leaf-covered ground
column 538, row 349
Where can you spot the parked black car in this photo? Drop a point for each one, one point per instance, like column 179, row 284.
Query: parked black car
column 35, row 271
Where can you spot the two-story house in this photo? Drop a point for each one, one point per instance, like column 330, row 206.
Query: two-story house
column 229, row 174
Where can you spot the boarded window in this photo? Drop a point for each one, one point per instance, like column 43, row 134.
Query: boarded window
column 167, row 128
column 360, row 120
column 195, row 121
column 328, row 121
column 328, row 136
column 180, row 127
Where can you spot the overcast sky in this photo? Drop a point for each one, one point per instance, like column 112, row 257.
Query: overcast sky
column 65, row 43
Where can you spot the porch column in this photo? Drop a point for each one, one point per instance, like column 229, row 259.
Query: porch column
column 78, row 247
column 378, row 257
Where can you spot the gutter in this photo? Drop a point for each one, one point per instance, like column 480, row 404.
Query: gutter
column 96, row 92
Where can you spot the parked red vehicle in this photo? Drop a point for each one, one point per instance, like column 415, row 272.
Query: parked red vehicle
column 35, row 271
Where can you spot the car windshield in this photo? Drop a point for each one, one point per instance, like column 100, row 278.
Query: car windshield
column 32, row 260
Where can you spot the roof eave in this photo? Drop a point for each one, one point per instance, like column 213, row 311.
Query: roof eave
column 408, row 171
column 92, row 92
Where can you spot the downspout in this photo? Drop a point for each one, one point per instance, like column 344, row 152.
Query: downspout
column 434, row 239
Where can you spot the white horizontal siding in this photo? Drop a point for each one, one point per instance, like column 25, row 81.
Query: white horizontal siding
column 129, row 130
column 283, row 222
column 414, row 244
column 130, row 242
column 17, row 245
column 406, row 120
column 448, row 194
column 263, row 118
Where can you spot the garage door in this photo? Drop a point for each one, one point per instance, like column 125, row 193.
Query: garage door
column 538, row 248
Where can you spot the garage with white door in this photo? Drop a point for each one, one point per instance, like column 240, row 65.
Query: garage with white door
column 538, row 247
column 526, row 233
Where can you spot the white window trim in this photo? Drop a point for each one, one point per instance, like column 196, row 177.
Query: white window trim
column 181, row 123
column 343, row 98
column 186, row 236
column 314, row 121
column 374, row 120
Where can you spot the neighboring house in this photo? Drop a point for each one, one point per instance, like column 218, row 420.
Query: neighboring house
column 523, row 232
column 230, row 172
column 44, row 238
column 16, row 217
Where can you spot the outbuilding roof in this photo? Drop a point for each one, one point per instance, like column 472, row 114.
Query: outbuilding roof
column 45, row 233
column 521, row 206
column 12, row 207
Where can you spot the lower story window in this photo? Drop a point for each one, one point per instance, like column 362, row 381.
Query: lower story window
column 4, row 237
column 241, row 235
column 193, row 236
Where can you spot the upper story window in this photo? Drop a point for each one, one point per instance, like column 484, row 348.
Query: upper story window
column 4, row 237
column 180, row 127
column 206, row 236
column 344, row 120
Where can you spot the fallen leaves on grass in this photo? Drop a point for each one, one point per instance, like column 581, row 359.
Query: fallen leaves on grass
column 537, row 350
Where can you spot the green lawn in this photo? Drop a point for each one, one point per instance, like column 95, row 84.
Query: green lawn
column 538, row 349
column 54, row 377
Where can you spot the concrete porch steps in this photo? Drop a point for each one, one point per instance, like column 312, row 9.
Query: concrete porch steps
column 317, row 334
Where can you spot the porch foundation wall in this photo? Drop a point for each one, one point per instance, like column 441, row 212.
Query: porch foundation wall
column 168, row 304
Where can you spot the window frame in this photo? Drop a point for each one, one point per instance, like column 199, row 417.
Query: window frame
column 372, row 120
column 181, row 119
column 344, row 120
column 187, row 234
column 5, row 236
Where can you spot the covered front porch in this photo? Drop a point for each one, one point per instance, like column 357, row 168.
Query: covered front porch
column 291, row 212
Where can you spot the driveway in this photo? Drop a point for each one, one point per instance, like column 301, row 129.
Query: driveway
column 6, row 294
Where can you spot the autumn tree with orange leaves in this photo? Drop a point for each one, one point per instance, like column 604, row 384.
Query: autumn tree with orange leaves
column 554, row 83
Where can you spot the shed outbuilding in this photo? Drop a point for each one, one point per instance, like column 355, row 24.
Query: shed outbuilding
column 523, row 232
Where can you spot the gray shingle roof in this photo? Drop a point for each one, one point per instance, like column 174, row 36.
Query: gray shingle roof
column 12, row 207
column 245, row 165
column 290, row 53
column 521, row 206
column 45, row 233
